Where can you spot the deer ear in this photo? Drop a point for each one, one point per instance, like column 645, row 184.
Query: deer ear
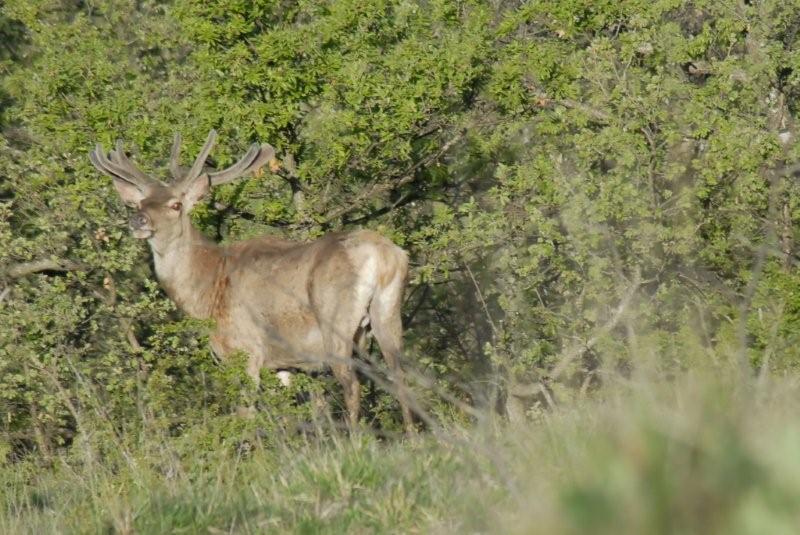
column 195, row 191
column 130, row 193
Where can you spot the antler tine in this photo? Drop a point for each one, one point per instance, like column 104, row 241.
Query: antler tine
column 102, row 163
column 95, row 159
column 255, row 157
column 121, row 159
column 197, row 167
column 174, row 158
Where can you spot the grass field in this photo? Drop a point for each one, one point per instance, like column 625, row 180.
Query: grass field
column 697, row 455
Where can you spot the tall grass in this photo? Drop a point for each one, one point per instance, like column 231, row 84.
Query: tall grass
column 700, row 454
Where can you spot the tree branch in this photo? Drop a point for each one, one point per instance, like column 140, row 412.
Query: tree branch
column 594, row 113
column 567, row 357
column 24, row 269
column 789, row 170
column 383, row 187
column 407, row 198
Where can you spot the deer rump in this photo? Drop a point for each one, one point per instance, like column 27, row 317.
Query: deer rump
column 305, row 305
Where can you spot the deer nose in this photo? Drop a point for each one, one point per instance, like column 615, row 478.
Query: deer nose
column 138, row 220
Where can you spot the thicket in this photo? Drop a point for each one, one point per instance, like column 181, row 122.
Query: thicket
column 584, row 187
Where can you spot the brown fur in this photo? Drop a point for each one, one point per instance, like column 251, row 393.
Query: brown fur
column 286, row 304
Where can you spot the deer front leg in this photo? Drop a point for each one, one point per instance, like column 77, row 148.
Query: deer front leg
column 253, row 371
column 254, row 365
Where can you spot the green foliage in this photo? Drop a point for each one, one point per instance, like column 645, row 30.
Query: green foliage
column 584, row 187
column 698, row 455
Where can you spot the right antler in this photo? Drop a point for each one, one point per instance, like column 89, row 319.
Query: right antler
column 256, row 156
column 200, row 161
column 174, row 159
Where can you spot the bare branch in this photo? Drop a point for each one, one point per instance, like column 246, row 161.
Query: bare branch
column 482, row 300
column 382, row 187
column 576, row 350
column 23, row 269
column 594, row 113
column 789, row 170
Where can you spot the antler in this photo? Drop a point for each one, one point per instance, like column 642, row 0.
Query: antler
column 174, row 158
column 254, row 158
column 197, row 167
column 119, row 157
column 119, row 166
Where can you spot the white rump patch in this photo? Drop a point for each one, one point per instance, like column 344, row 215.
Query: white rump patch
column 367, row 279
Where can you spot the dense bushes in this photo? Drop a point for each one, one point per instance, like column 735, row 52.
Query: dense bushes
column 583, row 186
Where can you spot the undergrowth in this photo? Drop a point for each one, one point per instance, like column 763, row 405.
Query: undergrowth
column 696, row 455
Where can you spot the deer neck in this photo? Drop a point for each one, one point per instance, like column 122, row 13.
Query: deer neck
column 189, row 269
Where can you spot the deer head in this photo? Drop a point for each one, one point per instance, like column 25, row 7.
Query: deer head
column 162, row 208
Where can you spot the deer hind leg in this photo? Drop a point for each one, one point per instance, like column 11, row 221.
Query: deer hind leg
column 338, row 353
column 361, row 340
column 346, row 375
column 387, row 327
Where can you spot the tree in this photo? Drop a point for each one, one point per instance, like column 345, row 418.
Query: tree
column 578, row 183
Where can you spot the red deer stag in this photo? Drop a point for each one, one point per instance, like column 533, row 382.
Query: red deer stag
column 286, row 304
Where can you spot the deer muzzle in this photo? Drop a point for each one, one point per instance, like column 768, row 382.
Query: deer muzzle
column 140, row 225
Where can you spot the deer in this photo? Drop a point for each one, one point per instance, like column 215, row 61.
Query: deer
column 289, row 305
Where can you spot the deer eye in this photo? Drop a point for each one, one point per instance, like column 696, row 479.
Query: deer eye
column 176, row 206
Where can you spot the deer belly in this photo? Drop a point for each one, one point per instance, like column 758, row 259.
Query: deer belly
column 302, row 350
column 284, row 342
